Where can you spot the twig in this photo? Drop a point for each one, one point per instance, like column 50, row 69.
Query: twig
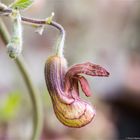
column 4, row 10
column 60, row 45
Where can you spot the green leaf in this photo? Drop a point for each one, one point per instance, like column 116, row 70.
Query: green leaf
column 21, row 4
column 10, row 106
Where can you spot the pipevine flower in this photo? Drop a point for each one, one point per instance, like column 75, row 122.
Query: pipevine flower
column 63, row 87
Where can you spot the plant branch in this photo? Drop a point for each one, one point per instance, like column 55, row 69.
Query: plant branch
column 37, row 110
column 60, row 45
column 4, row 10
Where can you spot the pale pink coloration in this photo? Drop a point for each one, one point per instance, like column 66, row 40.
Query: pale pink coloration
column 63, row 88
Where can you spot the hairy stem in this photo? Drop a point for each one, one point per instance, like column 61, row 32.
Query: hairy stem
column 60, row 43
column 33, row 92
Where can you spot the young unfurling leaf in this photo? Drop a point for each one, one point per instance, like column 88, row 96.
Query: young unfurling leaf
column 21, row 4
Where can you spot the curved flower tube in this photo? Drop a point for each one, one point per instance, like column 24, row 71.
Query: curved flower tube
column 63, row 88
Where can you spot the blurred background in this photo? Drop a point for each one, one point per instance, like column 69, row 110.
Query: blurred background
column 105, row 32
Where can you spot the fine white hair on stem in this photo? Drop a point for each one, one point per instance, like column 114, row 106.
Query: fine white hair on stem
column 15, row 45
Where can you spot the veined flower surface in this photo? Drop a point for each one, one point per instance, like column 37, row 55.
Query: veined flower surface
column 63, row 87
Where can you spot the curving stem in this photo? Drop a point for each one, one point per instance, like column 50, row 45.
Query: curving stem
column 6, row 11
column 33, row 92
column 61, row 40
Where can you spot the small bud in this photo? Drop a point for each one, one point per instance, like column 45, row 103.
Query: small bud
column 49, row 19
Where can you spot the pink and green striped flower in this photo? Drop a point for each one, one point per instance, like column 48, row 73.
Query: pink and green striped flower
column 63, row 86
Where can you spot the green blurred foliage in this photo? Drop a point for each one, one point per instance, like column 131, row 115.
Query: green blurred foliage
column 10, row 106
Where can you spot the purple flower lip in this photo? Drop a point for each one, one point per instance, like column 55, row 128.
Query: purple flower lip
column 63, row 87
